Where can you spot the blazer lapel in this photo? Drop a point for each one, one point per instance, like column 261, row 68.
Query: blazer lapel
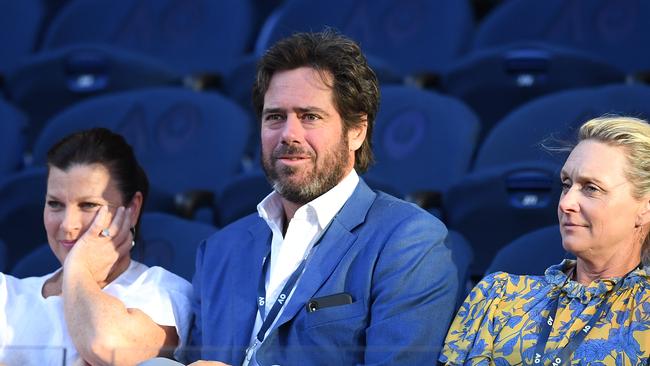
column 336, row 241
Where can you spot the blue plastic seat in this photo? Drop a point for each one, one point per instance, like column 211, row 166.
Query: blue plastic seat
column 38, row 262
column 13, row 126
column 170, row 242
column 20, row 23
column 48, row 82
column 3, row 256
column 192, row 36
column 413, row 37
column 423, row 141
column 494, row 206
column 552, row 121
column 531, row 253
column 494, row 81
column 22, row 196
column 617, row 31
column 184, row 140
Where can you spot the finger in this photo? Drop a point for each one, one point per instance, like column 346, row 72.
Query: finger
column 124, row 238
column 115, row 226
column 99, row 222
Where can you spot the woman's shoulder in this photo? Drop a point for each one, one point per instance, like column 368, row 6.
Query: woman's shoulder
column 139, row 276
column 499, row 283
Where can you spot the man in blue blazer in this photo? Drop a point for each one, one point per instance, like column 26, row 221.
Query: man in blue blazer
column 328, row 272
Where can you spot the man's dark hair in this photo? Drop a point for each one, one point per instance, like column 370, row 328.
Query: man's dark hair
column 354, row 85
column 101, row 146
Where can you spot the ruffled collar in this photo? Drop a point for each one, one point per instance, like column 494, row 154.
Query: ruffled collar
column 556, row 275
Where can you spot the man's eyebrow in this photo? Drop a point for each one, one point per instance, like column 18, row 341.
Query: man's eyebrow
column 272, row 110
column 311, row 109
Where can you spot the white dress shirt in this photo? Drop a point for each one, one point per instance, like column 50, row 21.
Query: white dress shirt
column 304, row 230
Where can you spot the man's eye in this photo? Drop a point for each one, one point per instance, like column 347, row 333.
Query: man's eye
column 310, row 117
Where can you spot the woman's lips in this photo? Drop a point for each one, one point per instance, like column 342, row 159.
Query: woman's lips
column 68, row 243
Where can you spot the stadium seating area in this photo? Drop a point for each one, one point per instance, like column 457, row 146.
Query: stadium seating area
column 475, row 102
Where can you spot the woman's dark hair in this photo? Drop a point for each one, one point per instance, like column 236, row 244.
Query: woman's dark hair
column 102, row 146
column 355, row 87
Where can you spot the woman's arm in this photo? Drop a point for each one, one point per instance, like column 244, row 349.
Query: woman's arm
column 103, row 330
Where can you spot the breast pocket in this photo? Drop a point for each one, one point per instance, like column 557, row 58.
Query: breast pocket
column 334, row 314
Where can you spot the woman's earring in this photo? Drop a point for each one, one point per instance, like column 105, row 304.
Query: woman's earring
column 132, row 236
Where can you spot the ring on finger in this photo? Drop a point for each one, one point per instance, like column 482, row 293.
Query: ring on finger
column 105, row 233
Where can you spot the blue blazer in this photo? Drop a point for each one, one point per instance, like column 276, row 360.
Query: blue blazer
column 387, row 254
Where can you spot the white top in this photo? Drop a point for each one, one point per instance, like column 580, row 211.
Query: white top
column 303, row 231
column 28, row 319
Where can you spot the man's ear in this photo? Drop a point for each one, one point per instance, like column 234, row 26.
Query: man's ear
column 357, row 134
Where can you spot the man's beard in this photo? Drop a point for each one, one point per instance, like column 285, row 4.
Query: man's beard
column 315, row 182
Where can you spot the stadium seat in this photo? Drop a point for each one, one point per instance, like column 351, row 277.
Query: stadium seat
column 423, row 141
column 21, row 213
column 184, row 140
column 20, row 23
column 495, row 81
column 553, row 120
column 170, row 242
column 48, row 82
column 240, row 196
column 414, row 37
column 192, row 36
column 617, row 31
column 494, row 206
column 3, row 256
column 38, row 262
column 13, row 126
column 531, row 253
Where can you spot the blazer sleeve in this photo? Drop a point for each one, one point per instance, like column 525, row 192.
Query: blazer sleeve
column 196, row 334
column 413, row 294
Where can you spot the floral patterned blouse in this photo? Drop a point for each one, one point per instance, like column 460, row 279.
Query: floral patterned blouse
column 499, row 322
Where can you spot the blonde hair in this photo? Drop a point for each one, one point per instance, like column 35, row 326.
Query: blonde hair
column 633, row 135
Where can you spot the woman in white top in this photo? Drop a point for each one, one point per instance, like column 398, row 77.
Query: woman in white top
column 101, row 306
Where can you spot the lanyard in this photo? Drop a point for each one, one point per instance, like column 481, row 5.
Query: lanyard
column 279, row 303
column 574, row 342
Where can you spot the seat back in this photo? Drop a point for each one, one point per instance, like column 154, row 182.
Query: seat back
column 48, row 82
column 13, row 126
column 170, row 242
column 494, row 206
column 530, row 254
column 183, row 139
column 495, row 81
column 423, row 141
column 20, row 23
column 38, row 262
column 192, row 36
column 412, row 36
column 613, row 30
column 21, row 213
column 553, row 121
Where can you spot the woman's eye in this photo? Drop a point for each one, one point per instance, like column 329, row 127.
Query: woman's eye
column 591, row 189
column 566, row 186
column 54, row 204
column 89, row 205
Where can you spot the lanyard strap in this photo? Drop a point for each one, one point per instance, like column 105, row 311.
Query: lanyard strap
column 279, row 303
column 575, row 341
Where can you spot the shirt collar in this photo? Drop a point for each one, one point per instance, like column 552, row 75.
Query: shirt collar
column 324, row 207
